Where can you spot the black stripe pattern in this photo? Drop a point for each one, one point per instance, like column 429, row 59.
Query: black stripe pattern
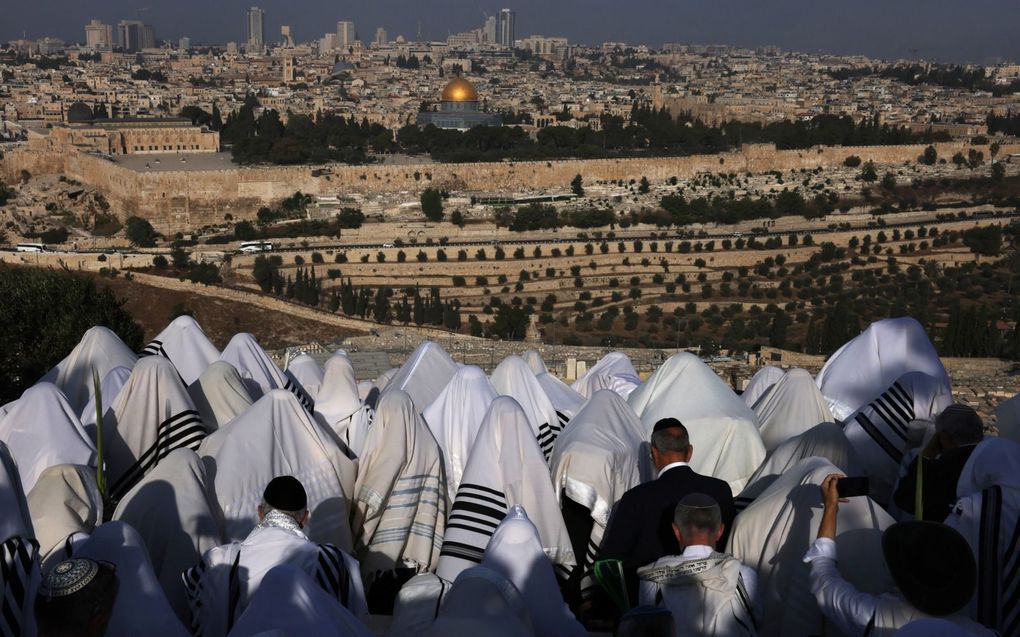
column 885, row 420
column 182, row 430
column 332, row 574
column 475, row 514
column 155, row 348
column 302, row 397
column 193, row 590
column 19, row 563
column 548, row 433
column 998, row 589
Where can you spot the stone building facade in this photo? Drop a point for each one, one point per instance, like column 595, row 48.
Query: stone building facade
column 135, row 136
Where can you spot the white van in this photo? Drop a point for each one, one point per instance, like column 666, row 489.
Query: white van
column 31, row 247
column 256, row 246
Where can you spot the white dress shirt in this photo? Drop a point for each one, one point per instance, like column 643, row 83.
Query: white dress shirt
column 670, row 466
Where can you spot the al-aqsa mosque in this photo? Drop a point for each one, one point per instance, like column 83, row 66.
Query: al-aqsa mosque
column 459, row 109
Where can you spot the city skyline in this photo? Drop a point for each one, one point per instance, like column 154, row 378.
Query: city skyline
column 936, row 29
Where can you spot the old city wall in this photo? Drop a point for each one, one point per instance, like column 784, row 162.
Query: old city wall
column 183, row 200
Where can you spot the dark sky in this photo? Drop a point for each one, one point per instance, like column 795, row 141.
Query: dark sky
column 947, row 30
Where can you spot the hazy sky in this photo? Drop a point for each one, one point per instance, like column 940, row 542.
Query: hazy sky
column 948, row 30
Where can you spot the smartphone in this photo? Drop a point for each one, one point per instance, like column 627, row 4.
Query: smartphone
column 852, row 487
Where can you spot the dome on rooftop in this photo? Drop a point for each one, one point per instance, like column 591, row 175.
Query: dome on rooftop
column 80, row 112
column 341, row 67
column 460, row 90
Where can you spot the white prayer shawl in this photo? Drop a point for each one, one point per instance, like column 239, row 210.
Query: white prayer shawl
column 514, row 378
column 417, row 605
column 482, row 602
column 826, row 440
column 516, row 553
column 455, row 417
column 187, row 347
column 19, row 553
column 365, row 389
column 290, row 603
column 723, row 430
column 789, row 408
column 176, row 516
column 41, row 430
column 65, row 505
column 220, row 395
column 994, row 461
column 304, row 370
column 400, row 505
column 260, row 373
column 878, row 431
column 339, row 404
column 427, row 371
column 275, row 437
column 141, row 607
column 775, row 531
column 535, row 362
column 384, row 378
column 112, row 383
column 1007, row 418
column 505, row 467
column 761, row 381
column 867, row 365
column 613, row 371
column 99, row 349
column 598, row 458
column 152, row 416
column 565, row 400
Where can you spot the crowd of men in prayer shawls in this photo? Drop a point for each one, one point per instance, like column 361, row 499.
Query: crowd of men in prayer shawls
column 185, row 490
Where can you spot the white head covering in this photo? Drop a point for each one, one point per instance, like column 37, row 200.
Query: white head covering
column 1007, row 418
column 761, row 381
column 187, row 347
column 482, row 602
column 306, row 372
column 288, row 603
column 275, row 437
column 259, row 371
column 220, row 395
column 535, row 362
column 723, row 430
column 505, row 467
column 152, row 416
column 598, row 457
column 339, row 405
column 99, row 349
column 514, row 378
column 112, row 383
column 400, row 507
column 774, row 532
column 565, row 400
column 613, row 371
column 417, row 605
column 826, row 440
column 427, row 371
column 791, row 406
column 878, row 431
column 864, row 367
column 65, row 502
column 384, row 378
column 455, row 417
column 41, row 430
column 18, row 582
column 177, row 518
column 141, row 607
column 995, row 461
column 515, row 552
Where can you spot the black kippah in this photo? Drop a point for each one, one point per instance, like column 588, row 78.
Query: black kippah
column 667, row 423
column 285, row 493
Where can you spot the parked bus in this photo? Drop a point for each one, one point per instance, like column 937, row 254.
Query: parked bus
column 31, row 247
column 256, row 246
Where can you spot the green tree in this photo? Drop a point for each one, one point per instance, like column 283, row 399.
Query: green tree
column 432, row 204
column 869, row 172
column 998, row 171
column 644, row 187
column 889, row 181
column 511, row 322
column 930, row 156
column 577, row 185
column 457, row 218
column 140, row 232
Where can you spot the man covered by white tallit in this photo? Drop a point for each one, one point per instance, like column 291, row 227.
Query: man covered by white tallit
column 613, row 371
column 152, row 416
column 535, row 362
column 773, row 533
column 220, row 395
column 19, row 553
column 514, row 378
column 988, row 516
column 186, row 346
column 880, row 431
column 305, row 371
column 759, row 384
column 423, row 375
column 505, row 467
column 596, row 460
column 99, row 349
column 260, row 373
column 791, row 406
column 277, row 436
column 871, row 362
column 177, row 517
column 41, row 431
column 1007, row 418
column 66, row 507
column 455, row 417
column 722, row 428
column 111, row 384
column 339, row 404
column 400, row 504
column 565, row 400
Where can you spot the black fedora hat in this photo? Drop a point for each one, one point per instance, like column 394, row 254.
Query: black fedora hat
column 932, row 565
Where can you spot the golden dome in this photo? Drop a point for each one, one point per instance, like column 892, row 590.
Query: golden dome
column 460, row 90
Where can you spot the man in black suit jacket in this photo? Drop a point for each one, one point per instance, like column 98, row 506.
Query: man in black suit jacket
column 640, row 528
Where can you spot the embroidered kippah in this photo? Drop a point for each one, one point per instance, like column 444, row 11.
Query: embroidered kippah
column 69, row 577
